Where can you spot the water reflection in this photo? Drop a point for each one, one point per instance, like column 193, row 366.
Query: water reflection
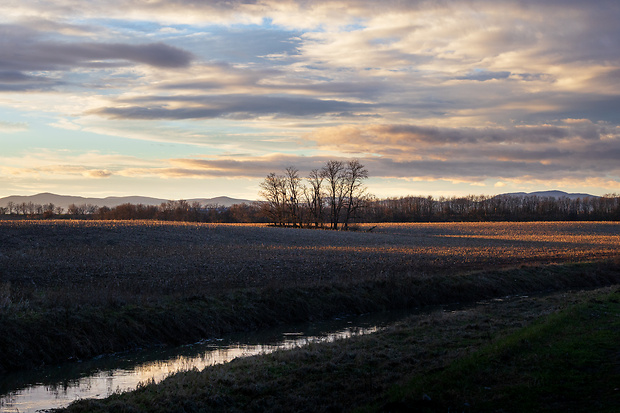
column 99, row 378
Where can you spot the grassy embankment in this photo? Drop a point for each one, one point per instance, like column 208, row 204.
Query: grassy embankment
column 71, row 290
column 545, row 353
column 568, row 361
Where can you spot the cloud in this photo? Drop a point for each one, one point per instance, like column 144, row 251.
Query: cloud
column 410, row 59
column 58, row 27
column 153, row 54
column 57, row 171
column 24, row 50
column 41, row 163
column 378, row 138
column 576, row 149
column 226, row 166
column 231, row 106
column 472, row 168
column 470, row 163
column 305, row 14
column 15, row 81
column 12, row 127
column 222, row 77
column 484, row 75
column 288, row 13
column 593, row 106
column 97, row 173
column 255, row 167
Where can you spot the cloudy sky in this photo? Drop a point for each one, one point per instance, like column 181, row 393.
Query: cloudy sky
column 189, row 98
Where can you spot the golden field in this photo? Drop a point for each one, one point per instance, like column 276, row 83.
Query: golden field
column 143, row 258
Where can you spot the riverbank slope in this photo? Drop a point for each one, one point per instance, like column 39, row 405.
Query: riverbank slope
column 546, row 353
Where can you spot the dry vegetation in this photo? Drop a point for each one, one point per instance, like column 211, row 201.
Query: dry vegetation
column 97, row 286
column 129, row 260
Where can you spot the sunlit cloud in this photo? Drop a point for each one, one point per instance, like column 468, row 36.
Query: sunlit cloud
column 58, row 27
column 98, row 173
column 43, row 162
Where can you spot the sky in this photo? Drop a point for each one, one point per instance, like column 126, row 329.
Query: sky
column 182, row 99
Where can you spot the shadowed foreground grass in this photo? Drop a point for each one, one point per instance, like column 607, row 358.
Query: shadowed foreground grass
column 569, row 361
column 50, row 335
column 547, row 353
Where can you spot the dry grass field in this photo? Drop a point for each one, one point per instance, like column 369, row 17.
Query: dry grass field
column 72, row 289
column 146, row 257
column 132, row 259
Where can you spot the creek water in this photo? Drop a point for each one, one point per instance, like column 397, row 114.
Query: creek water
column 58, row 386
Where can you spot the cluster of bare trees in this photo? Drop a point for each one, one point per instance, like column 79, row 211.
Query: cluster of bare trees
column 331, row 196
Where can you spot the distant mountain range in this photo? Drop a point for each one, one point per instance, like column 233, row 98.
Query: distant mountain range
column 65, row 200
column 550, row 194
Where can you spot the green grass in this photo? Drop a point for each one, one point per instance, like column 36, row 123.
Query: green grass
column 569, row 361
column 496, row 356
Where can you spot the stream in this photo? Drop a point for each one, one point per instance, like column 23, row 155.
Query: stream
column 58, row 386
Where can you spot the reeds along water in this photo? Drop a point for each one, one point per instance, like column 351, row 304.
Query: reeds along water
column 58, row 386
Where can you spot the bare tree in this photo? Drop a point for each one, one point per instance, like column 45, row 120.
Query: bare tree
column 73, row 209
column 314, row 196
column 355, row 174
column 48, row 210
column 90, row 209
column 30, row 208
column 273, row 190
column 293, row 186
column 334, row 173
column 22, row 208
column 81, row 209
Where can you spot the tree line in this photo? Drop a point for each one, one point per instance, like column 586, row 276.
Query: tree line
column 180, row 210
column 335, row 196
column 183, row 211
column 30, row 208
column 493, row 208
column 318, row 202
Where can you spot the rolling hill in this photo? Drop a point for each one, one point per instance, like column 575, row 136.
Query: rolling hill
column 65, row 200
column 550, row 194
